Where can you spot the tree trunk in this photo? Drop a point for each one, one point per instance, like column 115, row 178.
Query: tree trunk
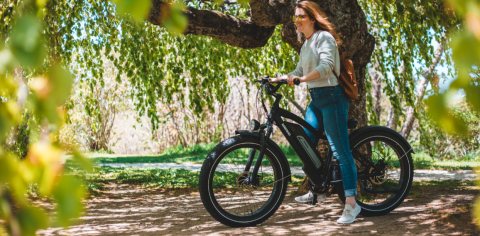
column 422, row 86
column 391, row 123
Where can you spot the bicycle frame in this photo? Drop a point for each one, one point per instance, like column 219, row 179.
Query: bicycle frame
column 314, row 167
column 318, row 173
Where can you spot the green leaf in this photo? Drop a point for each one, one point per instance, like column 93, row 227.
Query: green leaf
column 6, row 60
column 443, row 117
column 84, row 162
column 69, row 194
column 472, row 93
column 7, row 168
column 31, row 219
column 27, row 41
column 465, row 56
column 138, row 9
column 173, row 18
column 244, row 2
column 61, row 82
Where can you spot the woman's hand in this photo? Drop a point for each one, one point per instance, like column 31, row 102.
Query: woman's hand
column 292, row 78
column 273, row 80
column 283, row 77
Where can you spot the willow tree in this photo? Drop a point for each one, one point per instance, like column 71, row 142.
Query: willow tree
column 263, row 16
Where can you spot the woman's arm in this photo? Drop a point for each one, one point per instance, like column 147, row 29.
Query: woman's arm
column 326, row 49
column 310, row 76
column 297, row 72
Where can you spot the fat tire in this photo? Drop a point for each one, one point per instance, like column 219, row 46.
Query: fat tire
column 407, row 174
column 206, row 191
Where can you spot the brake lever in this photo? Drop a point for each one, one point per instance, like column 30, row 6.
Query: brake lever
column 265, row 79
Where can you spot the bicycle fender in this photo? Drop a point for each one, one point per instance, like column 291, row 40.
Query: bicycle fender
column 272, row 144
column 406, row 145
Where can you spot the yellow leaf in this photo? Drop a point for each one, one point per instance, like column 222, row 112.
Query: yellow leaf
column 476, row 212
column 40, row 85
column 473, row 23
column 45, row 155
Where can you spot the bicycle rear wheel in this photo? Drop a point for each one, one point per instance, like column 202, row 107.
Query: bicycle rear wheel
column 224, row 187
column 378, row 194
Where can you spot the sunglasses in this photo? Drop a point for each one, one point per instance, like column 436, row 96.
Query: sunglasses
column 299, row 17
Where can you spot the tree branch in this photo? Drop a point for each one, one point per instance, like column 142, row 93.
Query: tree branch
column 271, row 13
column 298, row 106
column 228, row 29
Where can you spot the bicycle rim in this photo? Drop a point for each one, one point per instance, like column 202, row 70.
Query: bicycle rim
column 381, row 191
column 234, row 198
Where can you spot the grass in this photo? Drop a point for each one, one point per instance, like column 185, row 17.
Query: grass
column 424, row 161
column 197, row 153
column 192, row 154
column 445, row 183
column 96, row 181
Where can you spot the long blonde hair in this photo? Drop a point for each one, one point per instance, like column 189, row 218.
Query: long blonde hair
column 314, row 11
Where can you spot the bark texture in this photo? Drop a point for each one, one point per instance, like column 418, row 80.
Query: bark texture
column 271, row 13
column 228, row 29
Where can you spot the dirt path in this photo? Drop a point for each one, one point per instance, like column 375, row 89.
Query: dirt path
column 130, row 210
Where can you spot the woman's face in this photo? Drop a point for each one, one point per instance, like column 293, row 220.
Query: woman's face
column 305, row 24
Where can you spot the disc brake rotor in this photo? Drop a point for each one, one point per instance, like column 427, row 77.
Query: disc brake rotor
column 378, row 179
column 243, row 180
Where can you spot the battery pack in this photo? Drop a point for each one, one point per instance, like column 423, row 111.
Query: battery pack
column 307, row 152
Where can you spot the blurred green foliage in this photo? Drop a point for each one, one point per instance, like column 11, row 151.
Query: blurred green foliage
column 35, row 82
column 465, row 45
column 405, row 32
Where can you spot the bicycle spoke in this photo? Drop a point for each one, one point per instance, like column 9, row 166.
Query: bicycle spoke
column 247, row 199
column 385, row 160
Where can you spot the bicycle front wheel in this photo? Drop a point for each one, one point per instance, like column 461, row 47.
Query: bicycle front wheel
column 224, row 183
column 379, row 192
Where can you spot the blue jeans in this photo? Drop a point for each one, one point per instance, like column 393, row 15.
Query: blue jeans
column 328, row 112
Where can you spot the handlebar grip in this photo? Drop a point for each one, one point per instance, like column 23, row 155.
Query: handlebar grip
column 296, row 81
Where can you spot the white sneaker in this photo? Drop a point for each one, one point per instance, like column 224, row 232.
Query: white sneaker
column 349, row 214
column 309, row 196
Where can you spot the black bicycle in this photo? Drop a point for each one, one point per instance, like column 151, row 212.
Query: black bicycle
column 244, row 178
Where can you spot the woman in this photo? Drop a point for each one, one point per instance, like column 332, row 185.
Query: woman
column 329, row 108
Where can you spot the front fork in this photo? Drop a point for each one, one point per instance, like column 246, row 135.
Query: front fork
column 263, row 142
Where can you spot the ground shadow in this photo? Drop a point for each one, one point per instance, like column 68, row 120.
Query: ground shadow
column 131, row 210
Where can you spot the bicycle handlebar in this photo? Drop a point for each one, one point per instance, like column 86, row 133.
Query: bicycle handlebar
column 265, row 80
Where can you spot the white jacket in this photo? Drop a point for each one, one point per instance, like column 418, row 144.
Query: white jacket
column 319, row 53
